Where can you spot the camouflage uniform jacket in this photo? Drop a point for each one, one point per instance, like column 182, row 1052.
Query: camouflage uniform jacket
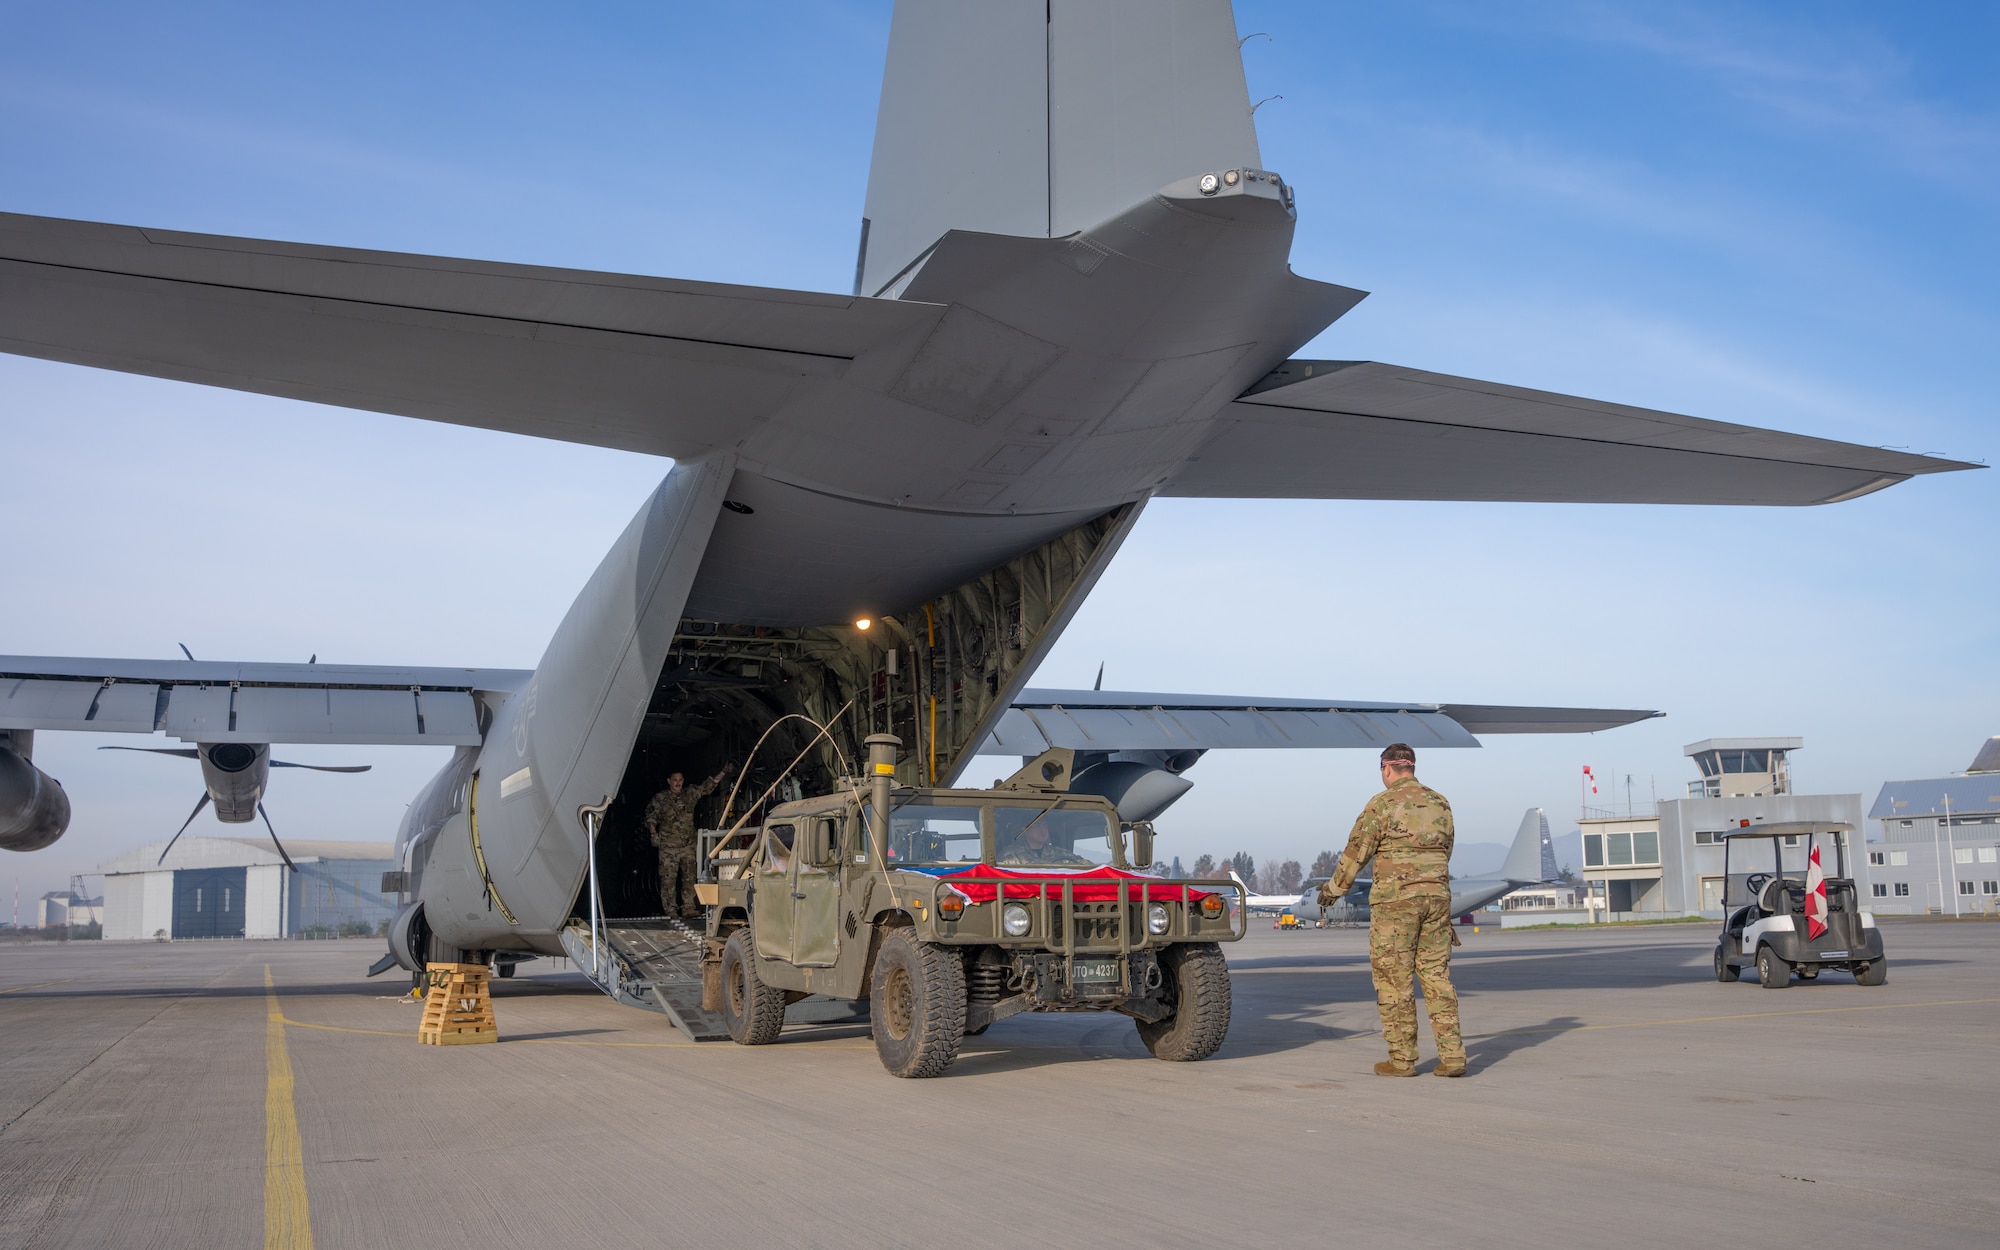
column 672, row 815
column 1407, row 831
column 1019, row 852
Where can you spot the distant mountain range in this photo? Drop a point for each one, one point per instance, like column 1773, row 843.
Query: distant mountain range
column 1483, row 859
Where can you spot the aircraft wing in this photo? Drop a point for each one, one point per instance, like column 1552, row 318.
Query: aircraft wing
column 203, row 701
column 1351, row 429
column 1111, row 720
column 641, row 364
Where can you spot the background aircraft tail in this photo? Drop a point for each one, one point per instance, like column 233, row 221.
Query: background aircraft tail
column 1525, row 861
column 1044, row 117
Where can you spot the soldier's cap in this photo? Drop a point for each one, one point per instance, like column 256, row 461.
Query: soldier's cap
column 1399, row 753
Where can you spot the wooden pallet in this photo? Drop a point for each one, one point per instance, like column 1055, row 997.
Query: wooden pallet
column 458, row 1009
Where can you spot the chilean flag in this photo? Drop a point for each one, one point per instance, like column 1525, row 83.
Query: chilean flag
column 1815, row 897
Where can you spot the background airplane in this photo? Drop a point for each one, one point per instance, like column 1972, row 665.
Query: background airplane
column 1530, row 861
column 1051, row 325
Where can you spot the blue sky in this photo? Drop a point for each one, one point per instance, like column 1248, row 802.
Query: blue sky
column 1780, row 214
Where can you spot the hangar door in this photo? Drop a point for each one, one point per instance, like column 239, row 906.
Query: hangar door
column 208, row 903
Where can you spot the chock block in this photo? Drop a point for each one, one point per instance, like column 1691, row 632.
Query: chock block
column 458, row 1007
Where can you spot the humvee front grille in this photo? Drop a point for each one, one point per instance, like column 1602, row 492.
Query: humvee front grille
column 1097, row 926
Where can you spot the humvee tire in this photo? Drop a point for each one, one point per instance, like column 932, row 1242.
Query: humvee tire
column 1875, row 972
column 916, row 1003
column 1773, row 973
column 1724, row 970
column 1199, row 980
column 752, row 1011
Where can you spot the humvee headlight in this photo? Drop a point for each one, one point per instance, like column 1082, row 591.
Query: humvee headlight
column 1156, row 919
column 950, row 905
column 1014, row 920
column 1211, row 907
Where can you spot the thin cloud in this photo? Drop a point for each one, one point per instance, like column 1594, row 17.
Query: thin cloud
column 1847, row 81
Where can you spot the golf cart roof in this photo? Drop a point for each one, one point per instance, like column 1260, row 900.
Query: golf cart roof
column 1789, row 829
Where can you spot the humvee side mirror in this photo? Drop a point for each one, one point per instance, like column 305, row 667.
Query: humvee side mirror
column 1142, row 844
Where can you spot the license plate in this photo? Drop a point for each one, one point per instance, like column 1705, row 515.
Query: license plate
column 1097, row 971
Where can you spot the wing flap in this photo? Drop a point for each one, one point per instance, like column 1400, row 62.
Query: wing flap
column 1365, row 430
column 227, row 702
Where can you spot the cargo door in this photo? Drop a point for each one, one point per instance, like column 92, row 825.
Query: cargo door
column 816, row 914
column 772, row 879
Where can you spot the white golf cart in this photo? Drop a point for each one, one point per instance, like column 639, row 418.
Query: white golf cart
column 1769, row 914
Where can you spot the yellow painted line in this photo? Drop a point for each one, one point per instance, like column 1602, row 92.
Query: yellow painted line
column 40, row 986
column 564, row 1041
column 287, row 1224
column 1747, row 1015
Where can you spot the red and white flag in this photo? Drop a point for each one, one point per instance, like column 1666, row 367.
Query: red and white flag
column 1592, row 778
column 1815, row 897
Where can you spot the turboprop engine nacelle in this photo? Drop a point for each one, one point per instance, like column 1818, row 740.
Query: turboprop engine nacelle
column 34, row 811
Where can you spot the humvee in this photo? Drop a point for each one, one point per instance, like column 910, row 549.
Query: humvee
column 923, row 915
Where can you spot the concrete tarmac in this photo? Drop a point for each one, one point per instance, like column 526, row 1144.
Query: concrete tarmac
column 1618, row 1095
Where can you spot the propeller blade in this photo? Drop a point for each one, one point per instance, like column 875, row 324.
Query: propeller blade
column 184, row 650
column 274, row 838
column 1099, row 683
column 186, row 753
column 315, row 658
column 319, row 768
column 183, row 829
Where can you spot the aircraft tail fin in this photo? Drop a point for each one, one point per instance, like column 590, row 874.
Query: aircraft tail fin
column 1524, row 858
column 1044, row 117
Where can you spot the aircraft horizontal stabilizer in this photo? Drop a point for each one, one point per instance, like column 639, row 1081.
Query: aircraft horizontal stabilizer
column 1111, row 720
column 642, row 364
column 1351, row 429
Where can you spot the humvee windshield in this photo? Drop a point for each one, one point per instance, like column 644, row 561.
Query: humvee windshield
column 926, row 833
column 1078, row 838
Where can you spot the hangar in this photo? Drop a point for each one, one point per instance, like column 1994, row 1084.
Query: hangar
column 240, row 887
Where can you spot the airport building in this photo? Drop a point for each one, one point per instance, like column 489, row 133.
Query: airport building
column 240, row 887
column 1669, row 861
column 1939, row 852
column 66, row 907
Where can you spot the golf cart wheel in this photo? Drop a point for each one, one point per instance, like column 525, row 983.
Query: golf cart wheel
column 1198, row 987
column 916, row 1005
column 1874, row 972
column 1724, row 970
column 1773, row 973
column 752, row 1010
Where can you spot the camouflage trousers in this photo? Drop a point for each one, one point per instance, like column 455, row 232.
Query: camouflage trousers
column 677, row 870
column 1414, row 938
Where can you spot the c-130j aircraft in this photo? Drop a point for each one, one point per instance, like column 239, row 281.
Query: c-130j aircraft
column 1071, row 297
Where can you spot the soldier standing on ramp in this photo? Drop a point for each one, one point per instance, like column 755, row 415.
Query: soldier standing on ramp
column 1407, row 831
column 670, row 825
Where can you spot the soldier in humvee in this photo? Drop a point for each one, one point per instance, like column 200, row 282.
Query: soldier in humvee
column 1032, row 846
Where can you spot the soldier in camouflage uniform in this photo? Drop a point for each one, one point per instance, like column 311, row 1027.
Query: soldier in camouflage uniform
column 670, row 825
column 1407, row 831
column 1033, row 847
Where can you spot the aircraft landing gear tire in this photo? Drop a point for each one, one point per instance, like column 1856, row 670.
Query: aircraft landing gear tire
column 1875, row 972
column 1773, row 973
column 752, row 1010
column 1198, row 983
column 1724, row 970
column 916, row 1003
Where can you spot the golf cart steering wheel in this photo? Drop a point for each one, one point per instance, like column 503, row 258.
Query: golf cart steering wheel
column 1754, row 884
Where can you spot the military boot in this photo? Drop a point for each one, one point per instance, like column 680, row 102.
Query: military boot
column 1389, row 1067
column 1449, row 1068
